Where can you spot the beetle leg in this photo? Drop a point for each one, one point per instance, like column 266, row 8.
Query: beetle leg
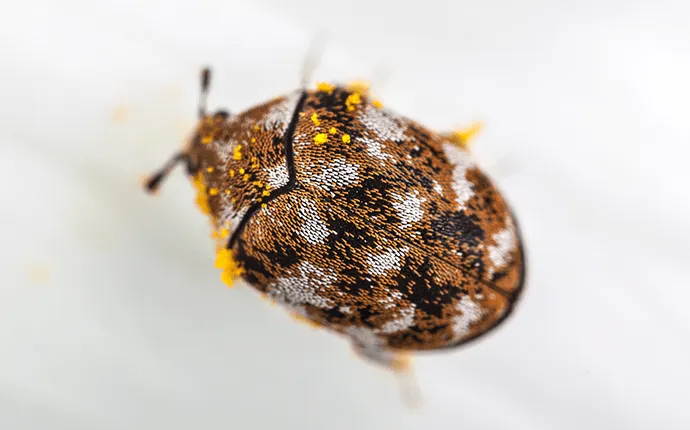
column 400, row 364
column 395, row 361
column 312, row 59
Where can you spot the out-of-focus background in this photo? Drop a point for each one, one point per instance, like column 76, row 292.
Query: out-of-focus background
column 113, row 317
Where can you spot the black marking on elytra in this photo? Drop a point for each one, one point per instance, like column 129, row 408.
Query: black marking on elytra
column 458, row 225
column 292, row 173
column 251, row 264
column 346, row 235
column 284, row 256
column 418, row 286
column 511, row 296
column 333, row 101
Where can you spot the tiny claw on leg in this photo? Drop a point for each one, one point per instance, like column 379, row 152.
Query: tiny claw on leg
column 464, row 136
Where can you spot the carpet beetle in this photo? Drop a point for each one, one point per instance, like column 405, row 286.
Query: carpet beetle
column 356, row 219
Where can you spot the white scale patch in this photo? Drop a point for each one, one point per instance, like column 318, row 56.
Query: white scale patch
column 390, row 260
column 499, row 254
column 383, row 123
column 280, row 114
column 374, row 148
column 471, row 313
column 224, row 150
column 437, row 187
column 406, row 320
column 391, row 297
column 339, row 173
column 313, row 229
column 277, row 176
column 462, row 161
column 299, row 141
column 409, row 208
column 303, row 289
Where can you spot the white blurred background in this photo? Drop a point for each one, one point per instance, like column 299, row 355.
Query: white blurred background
column 113, row 317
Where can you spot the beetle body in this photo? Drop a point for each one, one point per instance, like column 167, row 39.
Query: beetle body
column 359, row 220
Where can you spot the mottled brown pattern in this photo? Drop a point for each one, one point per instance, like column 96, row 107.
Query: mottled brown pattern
column 236, row 156
column 387, row 233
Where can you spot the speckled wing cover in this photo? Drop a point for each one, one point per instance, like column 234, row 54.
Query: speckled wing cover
column 390, row 235
column 242, row 161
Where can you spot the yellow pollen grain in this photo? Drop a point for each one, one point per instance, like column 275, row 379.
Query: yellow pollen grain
column 346, row 138
column 237, row 155
column 315, row 119
column 264, row 205
column 253, row 139
column 206, row 140
column 304, row 320
column 258, row 184
column 321, row 138
column 246, row 177
column 213, row 191
column 377, row 104
column 266, row 193
column 463, row 137
column 233, row 200
column 325, row 87
column 232, row 173
column 242, row 171
column 227, row 279
column 332, row 130
column 227, row 192
column 230, row 268
column 256, row 127
column 209, row 169
column 352, row 100
column 201, row 197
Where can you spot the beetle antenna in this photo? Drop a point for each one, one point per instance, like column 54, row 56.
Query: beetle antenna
column 203, row 95
column 154, row 181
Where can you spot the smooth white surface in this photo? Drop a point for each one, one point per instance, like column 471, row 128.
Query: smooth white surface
column 112, row 316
